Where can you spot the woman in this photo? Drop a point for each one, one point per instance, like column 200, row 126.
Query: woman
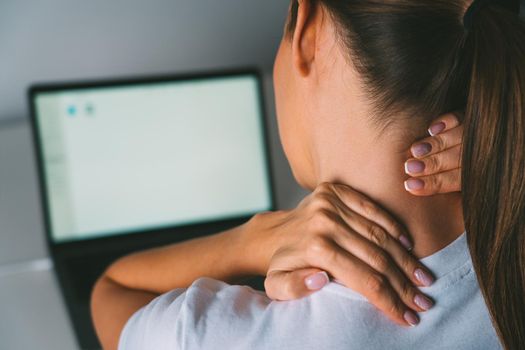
column 356, row 83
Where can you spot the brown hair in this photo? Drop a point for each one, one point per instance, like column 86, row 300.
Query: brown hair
column 417, row 56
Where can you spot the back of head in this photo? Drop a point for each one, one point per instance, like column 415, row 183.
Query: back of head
column 429, row 57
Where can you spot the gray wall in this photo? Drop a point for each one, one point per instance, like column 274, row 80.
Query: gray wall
column 61, row 39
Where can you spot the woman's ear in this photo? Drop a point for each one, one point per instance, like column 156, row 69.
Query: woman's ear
column 304, row 40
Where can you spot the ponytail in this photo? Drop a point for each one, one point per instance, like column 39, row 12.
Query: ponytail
column 493, row 168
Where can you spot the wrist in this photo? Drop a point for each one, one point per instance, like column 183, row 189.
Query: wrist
column 259, row 239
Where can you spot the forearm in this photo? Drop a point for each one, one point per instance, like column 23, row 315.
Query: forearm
column 111, row 307
column 227, row 256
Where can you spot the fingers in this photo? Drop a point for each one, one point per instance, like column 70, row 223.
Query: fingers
column 291, row 285
column 446, row 182
column 360, row 277
column 438, row 143
column 373, row 240
column 445, row 122
column 388, row 258
column 350, row 201
column 434, row 164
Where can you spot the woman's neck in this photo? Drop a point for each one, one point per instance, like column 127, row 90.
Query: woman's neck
column 433, row 222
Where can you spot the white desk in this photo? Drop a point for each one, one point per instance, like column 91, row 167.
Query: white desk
column 32, row 314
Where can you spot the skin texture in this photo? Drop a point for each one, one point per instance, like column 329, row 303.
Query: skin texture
column 324, row 122
column 349, row 226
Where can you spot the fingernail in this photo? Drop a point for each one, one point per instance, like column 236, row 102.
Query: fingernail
column 414, row 167
column 405, row 242
column 423, row 302
column 316, row 281
column 414, row 184
column 421, row 149
column 436, row 128
column 423, row 277
column 411, row 318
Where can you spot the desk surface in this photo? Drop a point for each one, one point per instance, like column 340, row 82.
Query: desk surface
column 32, row 313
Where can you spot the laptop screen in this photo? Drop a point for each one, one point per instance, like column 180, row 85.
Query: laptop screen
column 143, row 156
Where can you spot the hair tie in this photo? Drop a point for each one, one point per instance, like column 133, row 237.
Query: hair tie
column 471, row 13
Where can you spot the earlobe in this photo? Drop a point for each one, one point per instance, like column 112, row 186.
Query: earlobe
column 304, row 38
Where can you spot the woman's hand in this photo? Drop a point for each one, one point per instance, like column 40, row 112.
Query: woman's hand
column 436, row 166
column 340, row 231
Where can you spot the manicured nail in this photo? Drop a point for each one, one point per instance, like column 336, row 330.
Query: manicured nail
column 423, row 302
column 423, row 277
column 414, row 167
column 436, row 128
column 421, row 149
column 411, row 318
column 405, row 242
column 414, row 184
column 316, row 281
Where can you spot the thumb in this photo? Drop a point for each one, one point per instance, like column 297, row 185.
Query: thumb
column 290, row 285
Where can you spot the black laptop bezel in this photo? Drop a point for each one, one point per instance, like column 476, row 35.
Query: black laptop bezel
column 156, row 236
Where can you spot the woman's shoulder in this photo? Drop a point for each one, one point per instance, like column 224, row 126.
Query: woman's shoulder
column 210, row 295
column 177, row 319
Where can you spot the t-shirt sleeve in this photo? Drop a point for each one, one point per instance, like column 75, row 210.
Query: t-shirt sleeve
column 208, row 313
column 149, row 327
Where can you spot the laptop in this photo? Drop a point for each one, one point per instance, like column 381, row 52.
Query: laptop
column 137, row 163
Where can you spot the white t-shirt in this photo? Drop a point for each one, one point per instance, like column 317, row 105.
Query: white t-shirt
column 214, row 315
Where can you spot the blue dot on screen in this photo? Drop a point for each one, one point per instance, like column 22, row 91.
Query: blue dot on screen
column 71, row 111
